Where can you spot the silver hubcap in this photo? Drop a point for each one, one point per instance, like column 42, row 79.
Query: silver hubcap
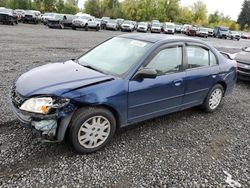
column 94, row 132
column 215, row 99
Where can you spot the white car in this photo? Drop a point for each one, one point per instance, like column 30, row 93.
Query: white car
column 46, row 16
column 156, row 28
column 128, row 26
column 85, row 21
column 169, row 28
column 142, row 27
column 202, row 32
column 112, row 25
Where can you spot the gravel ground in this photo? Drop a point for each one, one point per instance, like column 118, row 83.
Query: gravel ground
column 184, row 149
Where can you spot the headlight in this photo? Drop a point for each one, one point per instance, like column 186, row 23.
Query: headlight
column 38, row 105
column 42, row 105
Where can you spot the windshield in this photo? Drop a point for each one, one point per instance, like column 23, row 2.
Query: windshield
column 116, row 56
column 83, row 17
column 143, row 23
column 112, row 21
column 58, row 16
column 170, row 26
column 127, row 22
column 156, row 25
column 223, row 29
column 204, row 29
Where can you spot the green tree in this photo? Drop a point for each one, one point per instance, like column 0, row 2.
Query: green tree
column 49, row 5
column 60, row 6
column 3, row 3
column 172, row 9
column 199, row 11
column 93, row 7
column 244, row 17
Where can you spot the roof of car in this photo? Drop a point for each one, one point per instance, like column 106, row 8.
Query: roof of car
column 148, row 37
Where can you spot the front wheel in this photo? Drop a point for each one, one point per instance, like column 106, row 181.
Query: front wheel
column 214, row 98
column 91, row 129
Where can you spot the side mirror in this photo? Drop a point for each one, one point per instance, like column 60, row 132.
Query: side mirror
column 146, row 73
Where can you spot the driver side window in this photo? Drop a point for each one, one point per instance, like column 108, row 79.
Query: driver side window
column 167, row 61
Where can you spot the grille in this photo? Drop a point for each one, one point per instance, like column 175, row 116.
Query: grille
column 16, row 98
column 244, row 70
column 28, row 16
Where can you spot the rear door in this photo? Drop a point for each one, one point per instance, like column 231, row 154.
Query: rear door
column 202, row 72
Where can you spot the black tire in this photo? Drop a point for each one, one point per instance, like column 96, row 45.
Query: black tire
column 86, row 27
column 81, row 116
column 73, row 27
column 97, row 28
column 206, row 106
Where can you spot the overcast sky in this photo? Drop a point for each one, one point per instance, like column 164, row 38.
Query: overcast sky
column 227, row 7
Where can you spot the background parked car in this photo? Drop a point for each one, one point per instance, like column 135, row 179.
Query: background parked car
column 8, row 16
column 120, row 21
column 31, row 16
column 46, row 16
column 169, row 28
column 245, row 35
column 20, row 14
column 220, row 32
column 202, row 32
column 185, row 28
column 178, row 28
column 243, row 60
column 104, row 22
column 112, row 25
column 61, row 21
column 142, row 27
column 156, row 28
column 210, row 32
column 234, row 35
column 128, row 25
column 85, row 21
column 192, row 31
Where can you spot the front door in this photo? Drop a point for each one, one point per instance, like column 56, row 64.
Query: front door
column 152, row 97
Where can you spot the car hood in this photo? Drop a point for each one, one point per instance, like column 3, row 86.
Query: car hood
column 80, row 20
column 6, row 13
column 127, row 25
column 142, row 26
column 243, row 57
column 57, row 79
column 156, row 27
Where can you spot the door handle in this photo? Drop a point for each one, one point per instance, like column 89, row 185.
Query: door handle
column 178, row 82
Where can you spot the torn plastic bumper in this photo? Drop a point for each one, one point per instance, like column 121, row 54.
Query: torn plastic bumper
column 49, row 127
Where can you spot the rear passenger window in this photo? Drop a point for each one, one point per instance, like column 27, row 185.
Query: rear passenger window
column 213, row 60
column 197, row 57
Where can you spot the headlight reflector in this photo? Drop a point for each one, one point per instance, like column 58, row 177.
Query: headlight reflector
column 40, row 105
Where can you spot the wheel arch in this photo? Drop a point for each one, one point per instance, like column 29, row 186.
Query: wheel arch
column 223, row 84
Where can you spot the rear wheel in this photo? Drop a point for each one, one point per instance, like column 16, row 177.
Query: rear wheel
column 91, row 129
column 214, row 98
column 97, row 28
column 86, row 27
column 74, row 27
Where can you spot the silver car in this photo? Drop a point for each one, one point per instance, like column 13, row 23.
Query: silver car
column 112, row 25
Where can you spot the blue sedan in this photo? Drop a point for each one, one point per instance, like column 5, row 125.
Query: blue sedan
column 127, row 79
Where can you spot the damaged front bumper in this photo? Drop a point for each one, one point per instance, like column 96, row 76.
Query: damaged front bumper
column 47, row 127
